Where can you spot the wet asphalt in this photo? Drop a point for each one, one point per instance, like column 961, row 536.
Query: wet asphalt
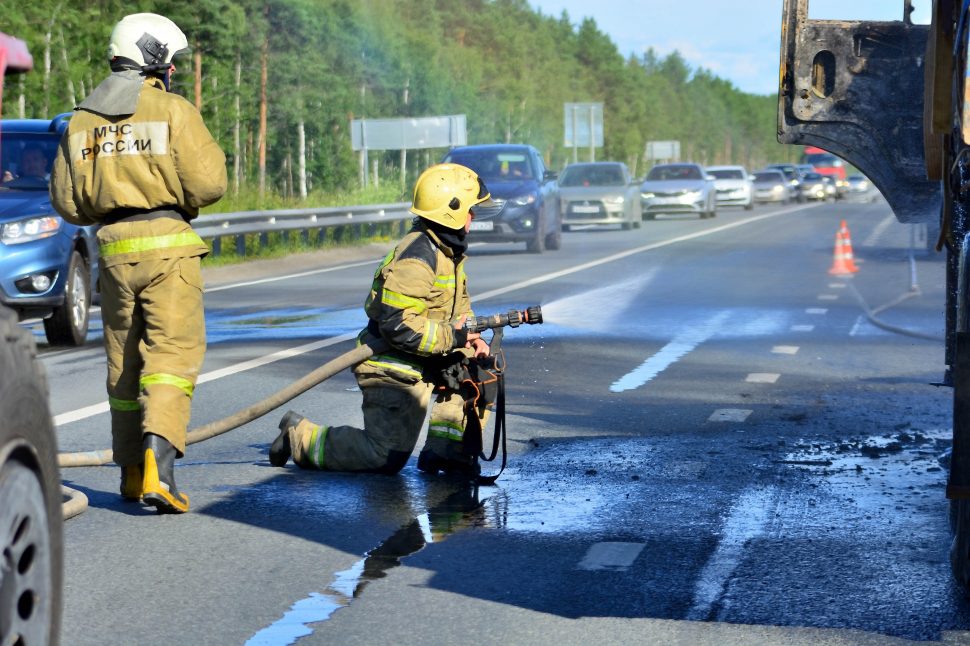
column 712, row 440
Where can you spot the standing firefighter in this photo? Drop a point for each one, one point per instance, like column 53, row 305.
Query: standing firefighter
column 140, row 162
column 418, row 304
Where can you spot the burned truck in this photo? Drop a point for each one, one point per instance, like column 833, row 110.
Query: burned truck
column 891, row 98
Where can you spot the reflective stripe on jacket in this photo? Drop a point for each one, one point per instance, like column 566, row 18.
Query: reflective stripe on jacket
column 418, row 294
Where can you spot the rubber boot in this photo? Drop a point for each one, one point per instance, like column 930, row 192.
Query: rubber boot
column 432, row 463
column 158, row 487
column 280, row 451
column 132, row 481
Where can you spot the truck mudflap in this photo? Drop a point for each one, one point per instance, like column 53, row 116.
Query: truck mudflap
column 856, row 89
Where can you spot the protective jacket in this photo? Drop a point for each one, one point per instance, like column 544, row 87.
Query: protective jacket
column 160, row 157
column 418, row 295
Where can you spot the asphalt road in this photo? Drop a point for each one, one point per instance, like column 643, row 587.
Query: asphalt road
column 713, row 440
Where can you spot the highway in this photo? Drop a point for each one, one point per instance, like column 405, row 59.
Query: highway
column 712, row 440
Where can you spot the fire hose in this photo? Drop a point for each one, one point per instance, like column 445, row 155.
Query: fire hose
column 76, row 502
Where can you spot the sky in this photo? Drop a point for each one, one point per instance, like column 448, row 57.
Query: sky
column 737, row 41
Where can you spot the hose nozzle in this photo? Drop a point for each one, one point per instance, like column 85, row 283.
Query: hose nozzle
column 514, row 318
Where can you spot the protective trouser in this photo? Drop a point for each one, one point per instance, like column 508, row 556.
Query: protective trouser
column 154, row 335
column 393, row 417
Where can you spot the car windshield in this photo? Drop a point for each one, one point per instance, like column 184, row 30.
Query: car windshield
column 769, row 176
column 674, row 172
column 726, row 173
column 592, row 175
column 25, row 160
column 492, row 165
column 813, row 177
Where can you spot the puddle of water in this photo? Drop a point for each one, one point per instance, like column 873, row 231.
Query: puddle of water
column 224, row 325
column 462, row 509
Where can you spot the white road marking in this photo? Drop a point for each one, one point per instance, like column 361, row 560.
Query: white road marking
column 859, row 322
column 802, row 328
column 729, row 415
column 82, row 413
column 746, row 521
column 785, row 349
column 611, row 556
column 302, row 274
column 828, row 297
column 96, row 409
column 670, row 353
column 816, row 310
column 836, row 285
column 762, row 378
column 879, row 229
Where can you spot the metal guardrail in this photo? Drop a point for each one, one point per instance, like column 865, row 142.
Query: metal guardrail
column 348, row 222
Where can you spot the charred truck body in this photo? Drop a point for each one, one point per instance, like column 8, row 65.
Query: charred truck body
column 890, row 97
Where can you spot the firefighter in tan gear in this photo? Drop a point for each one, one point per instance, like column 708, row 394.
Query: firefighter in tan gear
column 418, row 303
column 140, row 162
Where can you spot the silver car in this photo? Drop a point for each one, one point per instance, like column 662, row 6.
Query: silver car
column 771, row 186
column 733, row 184
column 599, row 193
column 678, row 188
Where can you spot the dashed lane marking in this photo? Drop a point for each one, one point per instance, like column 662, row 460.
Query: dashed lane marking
column 802, row 328
column 836, row 285
column 762, row 378
column 785, row 349
column 729, row 415
column 817, row 310
column 616, row 557
column 828, row 297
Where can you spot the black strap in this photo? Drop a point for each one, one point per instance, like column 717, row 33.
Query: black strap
column 499, row 433
column 495, row 347
column 140, row 215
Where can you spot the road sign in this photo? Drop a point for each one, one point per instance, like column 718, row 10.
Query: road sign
column 662, row 151
column 583, row 127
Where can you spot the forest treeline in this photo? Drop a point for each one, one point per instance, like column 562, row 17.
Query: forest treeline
column 278, row 82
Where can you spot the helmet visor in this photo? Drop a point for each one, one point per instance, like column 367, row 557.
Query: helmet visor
column 484, row 197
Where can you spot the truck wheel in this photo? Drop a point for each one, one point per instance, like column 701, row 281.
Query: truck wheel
column 68, row 325
column 31, row 522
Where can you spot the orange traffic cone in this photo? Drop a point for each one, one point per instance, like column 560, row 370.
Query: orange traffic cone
column 847, row 247
column 839, row 265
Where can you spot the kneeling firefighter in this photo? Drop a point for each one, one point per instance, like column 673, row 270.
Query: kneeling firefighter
column 418, row 305
column 140, row 162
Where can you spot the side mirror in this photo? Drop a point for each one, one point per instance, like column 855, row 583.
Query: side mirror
column 710, row 178
column 549, row 175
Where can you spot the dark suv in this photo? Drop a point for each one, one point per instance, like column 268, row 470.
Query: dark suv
column 525, row 194
column 47, row 265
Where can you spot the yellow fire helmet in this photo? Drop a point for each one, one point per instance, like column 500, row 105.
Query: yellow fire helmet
column 445, row 193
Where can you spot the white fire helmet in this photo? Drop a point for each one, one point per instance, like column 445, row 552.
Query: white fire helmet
column 148, row 39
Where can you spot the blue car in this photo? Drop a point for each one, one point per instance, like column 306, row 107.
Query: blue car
column 526, row 195
column 47, row 265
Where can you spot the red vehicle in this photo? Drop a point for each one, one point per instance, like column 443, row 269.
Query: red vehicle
column 825, row 163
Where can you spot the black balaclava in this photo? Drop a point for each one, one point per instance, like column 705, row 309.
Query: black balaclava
column 454, row 238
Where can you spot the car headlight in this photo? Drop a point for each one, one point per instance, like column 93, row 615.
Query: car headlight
column 523, row 200
column 777, row 188
column 647, row 196
column 30, row 229
column 614, row 200
column 693, row 195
